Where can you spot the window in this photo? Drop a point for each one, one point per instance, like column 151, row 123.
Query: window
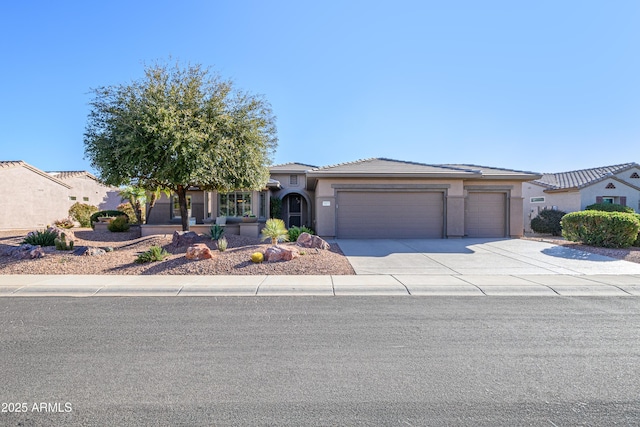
column 537, row 200
column 73, row 198
column 237, row 203
column 263, row 205
column 293, row 179
column 608, row 200
column 85, row 199
column 176, row 207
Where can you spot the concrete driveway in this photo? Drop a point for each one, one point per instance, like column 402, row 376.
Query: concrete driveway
column 476, row 257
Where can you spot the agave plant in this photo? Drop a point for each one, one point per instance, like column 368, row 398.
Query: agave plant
column 275, row 230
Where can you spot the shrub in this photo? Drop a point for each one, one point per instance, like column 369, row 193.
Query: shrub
column 604, row 229
column 128, row 210
column 81, row 212
column 295, row 232
column 64, row 223
column 257, row 257
column 119, row 224
column 222, row 244
column 42, row 238
column 275, row 230
column 96, row 215
column 62, row 244
column 548, row 222
column 609, row 207
column 155, row 253
column 216, row 231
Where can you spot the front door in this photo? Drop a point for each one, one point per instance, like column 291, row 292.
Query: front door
column 295, row 211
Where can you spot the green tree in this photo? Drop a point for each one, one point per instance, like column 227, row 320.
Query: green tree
column 178, row 128
column 137, row 197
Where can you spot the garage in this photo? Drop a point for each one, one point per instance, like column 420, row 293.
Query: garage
column 390, row 214
column 485, row 214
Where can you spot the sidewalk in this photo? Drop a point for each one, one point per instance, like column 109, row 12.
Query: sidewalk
column 378, row 284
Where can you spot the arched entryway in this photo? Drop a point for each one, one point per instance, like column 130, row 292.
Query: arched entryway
column 295, row 210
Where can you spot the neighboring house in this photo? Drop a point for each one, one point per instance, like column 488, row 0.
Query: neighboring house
column 34, row 198
column 375, row 198
column 86, row 188
column 573, row 191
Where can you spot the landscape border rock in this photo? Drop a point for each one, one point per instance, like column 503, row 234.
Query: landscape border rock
column 184, row 238
column 307, row 240
column 281, row 253
column 199, row 251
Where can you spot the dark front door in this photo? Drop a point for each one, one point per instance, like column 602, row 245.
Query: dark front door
column 295, row 211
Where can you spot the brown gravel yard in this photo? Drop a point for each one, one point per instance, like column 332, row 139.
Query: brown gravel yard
column 128, row 245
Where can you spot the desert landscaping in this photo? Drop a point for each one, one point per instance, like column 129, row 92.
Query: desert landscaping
column 127, row 246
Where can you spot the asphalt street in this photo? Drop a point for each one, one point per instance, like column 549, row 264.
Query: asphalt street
column 460, row 361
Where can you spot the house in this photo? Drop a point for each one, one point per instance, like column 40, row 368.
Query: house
column 373, row 198
column 575, row 190
column 34, row 198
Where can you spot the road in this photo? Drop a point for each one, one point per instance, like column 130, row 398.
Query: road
column 320, row 361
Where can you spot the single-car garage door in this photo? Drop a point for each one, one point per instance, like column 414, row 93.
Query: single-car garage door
column 485, row 214
column 390, row 214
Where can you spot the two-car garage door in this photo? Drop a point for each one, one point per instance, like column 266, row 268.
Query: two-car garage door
column 416, row 214
column 390, row 214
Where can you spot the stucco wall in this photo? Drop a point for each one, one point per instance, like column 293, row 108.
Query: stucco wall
column 590, row 193
column 105, row 198
column 30, row 200
column 567, row 201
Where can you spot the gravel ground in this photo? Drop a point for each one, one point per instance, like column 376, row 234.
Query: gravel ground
column 629, row 254
column 127, row 246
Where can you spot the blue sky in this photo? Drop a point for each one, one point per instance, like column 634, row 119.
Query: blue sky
column 545, row 86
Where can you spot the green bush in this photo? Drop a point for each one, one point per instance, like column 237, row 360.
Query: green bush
column 222, row 244
column 548, row 222
column 295, row 232
column 604, row 229
column 42, row 238
column 81, row 212
column 96, row 215
column 609, row 207
column 155, row 253
column 119, row 224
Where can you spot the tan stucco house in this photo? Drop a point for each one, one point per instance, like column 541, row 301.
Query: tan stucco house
column 373, row 198
column 34, row 198
column 575, row 190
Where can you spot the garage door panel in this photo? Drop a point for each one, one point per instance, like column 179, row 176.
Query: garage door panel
column 485, row 215
column 370, row 214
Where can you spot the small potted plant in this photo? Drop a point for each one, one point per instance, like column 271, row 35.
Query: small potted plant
column 249, row 217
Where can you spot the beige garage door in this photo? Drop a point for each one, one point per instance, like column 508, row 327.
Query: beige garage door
column 390, row 215
column 485, row 214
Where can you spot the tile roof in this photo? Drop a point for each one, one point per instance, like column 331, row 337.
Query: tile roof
column 11, row 163
column 286, row 167
column 6, row 164
column 384, row 165
column 580, row 178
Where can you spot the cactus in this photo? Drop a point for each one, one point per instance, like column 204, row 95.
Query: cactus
column 61, row 243
column 257, row 257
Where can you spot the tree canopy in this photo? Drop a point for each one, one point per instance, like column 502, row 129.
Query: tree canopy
column 180, row 127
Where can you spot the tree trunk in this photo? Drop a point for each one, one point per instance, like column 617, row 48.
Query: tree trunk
column 152, row 203
column 182, row 201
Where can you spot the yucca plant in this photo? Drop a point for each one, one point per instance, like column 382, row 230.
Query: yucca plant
column 155, row 253
column 42, row 238
column 275, row 230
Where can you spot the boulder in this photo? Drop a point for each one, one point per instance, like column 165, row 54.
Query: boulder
column 90, row 251
column 25, row 251
column 307, row 240
column 199, row 251
column 58, row 231
column 184, row 238
column 281, row 253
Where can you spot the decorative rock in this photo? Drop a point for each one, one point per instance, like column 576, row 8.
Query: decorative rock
column 38, row 252
column 90, row 251
column 309, row 241
column 184, row 238
column 25, row 251
column 281, row 253
column 58, row 231
column 199, row 251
